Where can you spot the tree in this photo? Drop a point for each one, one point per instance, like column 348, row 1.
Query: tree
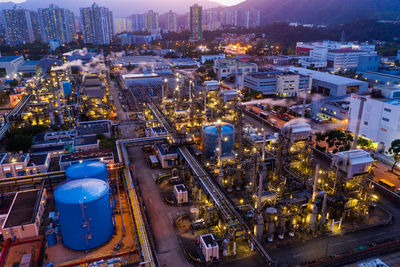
column 395, row 150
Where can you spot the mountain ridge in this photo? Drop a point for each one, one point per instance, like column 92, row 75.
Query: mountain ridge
column 330, row 12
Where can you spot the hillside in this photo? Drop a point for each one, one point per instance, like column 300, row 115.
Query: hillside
column 329, row 12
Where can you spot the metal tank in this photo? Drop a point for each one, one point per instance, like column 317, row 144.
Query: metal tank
column 87, row 169
column 85, row 213
column 210, row 138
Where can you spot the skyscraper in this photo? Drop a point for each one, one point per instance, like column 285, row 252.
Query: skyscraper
column 57, row 23
column 151, row 20
column 171, row 21
column 196, row 27
column 97, row 25
column 18, row 24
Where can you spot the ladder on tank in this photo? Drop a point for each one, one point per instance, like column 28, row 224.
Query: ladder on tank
column 85, row 223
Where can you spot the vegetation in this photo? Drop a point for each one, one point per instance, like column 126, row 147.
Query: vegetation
column 395, row 150
column 339, row 140
column 106, row 142
column 20, row 139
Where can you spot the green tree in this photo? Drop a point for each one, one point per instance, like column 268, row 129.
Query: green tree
column 395, row 150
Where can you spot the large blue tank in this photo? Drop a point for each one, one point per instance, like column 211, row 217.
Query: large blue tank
column 87, row 169
column 210, row 139
column 85, row 213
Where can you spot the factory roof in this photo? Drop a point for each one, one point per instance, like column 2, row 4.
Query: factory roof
column 31, row 62
column 340, row 51
column 93, row 128
column 8, row 58
column 85, row 140
column 22, row 209
column 105, row 154
column 37, row 159
column 323, row 76
column 94, row 92
column 140, row 75
column 165, row 149
column 13, row 158
column 48, row 149
column 180, row 188
column 357, row 156
column 209, row 240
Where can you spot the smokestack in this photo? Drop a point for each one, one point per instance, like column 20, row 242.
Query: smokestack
column 360, row 111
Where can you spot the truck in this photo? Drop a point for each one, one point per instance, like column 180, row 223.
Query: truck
column 283, row 116
column 264, row 115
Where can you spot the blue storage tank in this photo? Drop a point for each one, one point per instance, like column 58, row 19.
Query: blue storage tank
column 85, row 213
column 51, row 237
column 87, row 169
column 210, row 139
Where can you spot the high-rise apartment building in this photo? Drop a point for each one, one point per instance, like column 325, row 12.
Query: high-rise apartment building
column 18, row 25
column 97, row 25
column 56, row 23
column 122, row 25
column 151, row 20
column 138, row 22
column 171, row 21
column 36, row 29
column 196, row 26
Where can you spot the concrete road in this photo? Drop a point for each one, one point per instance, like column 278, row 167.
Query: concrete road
column 161, row 216
column 114, row 90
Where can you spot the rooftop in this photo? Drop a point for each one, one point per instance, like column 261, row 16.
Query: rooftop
column 140, row 75
column 9, row 58
column 85, row 140
column 13, row 158
column 106, row 154
column 37, row 159
column 92, row 128
column 180, row 188
column 341, row 51
column 323, row 76
column 22, row 209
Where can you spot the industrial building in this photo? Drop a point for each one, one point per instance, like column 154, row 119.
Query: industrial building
column 25, row 215
column 13, row 165
column 9, row 65
column 277, row 82
column 343, row 59
column 379, row 115
column 329, row 84
column 227, row 67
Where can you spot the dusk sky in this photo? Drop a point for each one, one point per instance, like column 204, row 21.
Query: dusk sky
column 224, row 2
column 121, row 8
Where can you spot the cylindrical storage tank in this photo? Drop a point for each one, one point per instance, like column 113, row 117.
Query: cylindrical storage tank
column 87, row 169
column 51, row 237
column 84, row 213
column 210, row 138
column 194, row 214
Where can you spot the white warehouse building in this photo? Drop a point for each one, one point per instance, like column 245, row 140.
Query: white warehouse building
column 380, row 120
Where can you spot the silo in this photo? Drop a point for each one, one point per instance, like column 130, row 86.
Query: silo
column 87, row 169
column 210, row 138
column 85, row 213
